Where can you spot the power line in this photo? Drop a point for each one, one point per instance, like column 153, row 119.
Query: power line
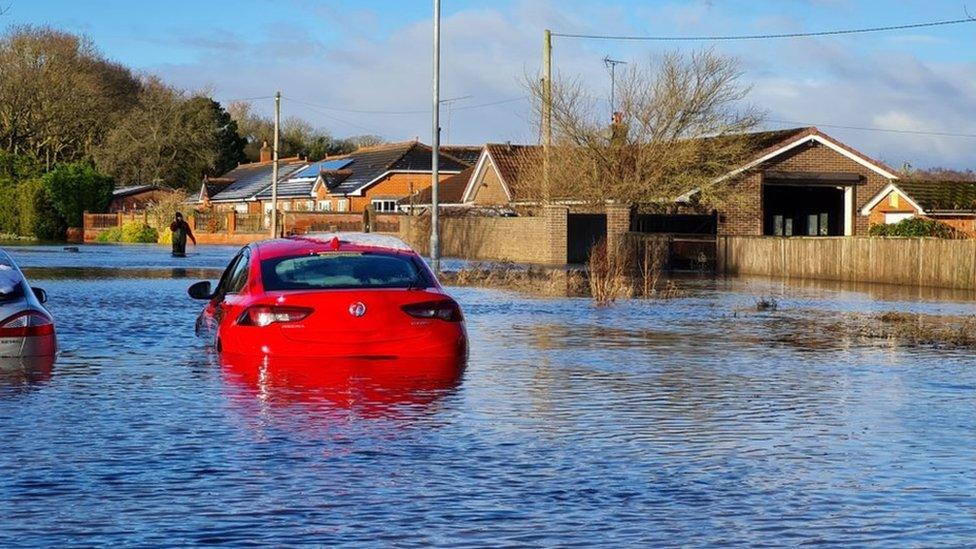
column 870, row 129
column 967, row 19
column 419, row 111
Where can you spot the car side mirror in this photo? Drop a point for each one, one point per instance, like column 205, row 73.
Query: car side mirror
column 200, row 290
column 40, row 294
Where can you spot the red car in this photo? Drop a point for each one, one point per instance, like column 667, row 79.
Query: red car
column 348, row 295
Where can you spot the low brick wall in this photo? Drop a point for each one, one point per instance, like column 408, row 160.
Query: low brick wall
column 907, row 261
column 539, row 239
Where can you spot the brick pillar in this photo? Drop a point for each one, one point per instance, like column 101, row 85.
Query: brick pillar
column 618, row 224
column 557, row 233
column 231, row 222
column 120, row 220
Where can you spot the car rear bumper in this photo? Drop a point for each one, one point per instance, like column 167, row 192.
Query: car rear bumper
column 447, row 341
column 40, row 346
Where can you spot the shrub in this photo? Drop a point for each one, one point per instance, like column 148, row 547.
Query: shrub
column 610, row 272
column 37, row 215
column 75, row 188
column 110, row 235
column 136, row 232
column 914, row 227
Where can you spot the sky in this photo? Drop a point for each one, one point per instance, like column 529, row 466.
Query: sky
column 354, row 67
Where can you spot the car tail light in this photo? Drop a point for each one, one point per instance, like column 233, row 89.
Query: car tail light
column 27, row 324
column 266, row 315
column 445, row 309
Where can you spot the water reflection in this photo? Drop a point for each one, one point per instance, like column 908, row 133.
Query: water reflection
column 369, row 387
column 19, row 374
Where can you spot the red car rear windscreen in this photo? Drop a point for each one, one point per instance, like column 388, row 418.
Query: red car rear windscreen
column 342, row 270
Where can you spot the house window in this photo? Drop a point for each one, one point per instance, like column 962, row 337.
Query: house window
column 324, row 205
column 304, row 205
column 286, row 206
column 384, row 205
column 893, row 218
column 893, row 200
column 343, row 205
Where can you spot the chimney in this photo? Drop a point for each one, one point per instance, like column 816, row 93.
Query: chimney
column 265, row 152
column 618, row 130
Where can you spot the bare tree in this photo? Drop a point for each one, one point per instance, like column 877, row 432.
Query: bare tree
column 681, row 126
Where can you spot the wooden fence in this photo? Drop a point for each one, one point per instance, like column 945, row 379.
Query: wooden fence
column 907, row 261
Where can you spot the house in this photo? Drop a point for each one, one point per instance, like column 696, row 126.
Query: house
column 137, row 197
column 951, row 202
column 377, row 176
column 237, row 189
column 450, row 192
column 795, row 182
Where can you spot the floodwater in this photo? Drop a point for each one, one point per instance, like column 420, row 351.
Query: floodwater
column 684, row 422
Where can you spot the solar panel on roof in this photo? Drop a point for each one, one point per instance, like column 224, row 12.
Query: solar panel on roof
column 314, row 169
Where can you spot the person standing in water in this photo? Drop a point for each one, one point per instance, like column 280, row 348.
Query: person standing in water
column 181, row 231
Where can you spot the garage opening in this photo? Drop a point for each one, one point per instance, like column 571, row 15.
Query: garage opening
column 799, row 210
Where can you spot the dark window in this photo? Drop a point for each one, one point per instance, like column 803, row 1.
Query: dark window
column 238, row 277
column 338, row 270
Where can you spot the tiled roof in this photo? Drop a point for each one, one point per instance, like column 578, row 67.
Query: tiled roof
column 465, row 153
column 250, row 179
column 941, row 196
column 368, row 164
column 514, row 162
column 449, row 191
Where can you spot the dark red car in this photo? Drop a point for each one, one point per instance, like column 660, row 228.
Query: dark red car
column 348, row 295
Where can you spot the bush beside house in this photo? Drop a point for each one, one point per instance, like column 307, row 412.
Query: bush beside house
column 915, row 227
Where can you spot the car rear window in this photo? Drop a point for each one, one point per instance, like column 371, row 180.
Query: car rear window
column 11, row 283
column 342, row 270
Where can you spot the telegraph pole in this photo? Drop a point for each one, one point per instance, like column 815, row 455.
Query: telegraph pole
column 546, row 112
column 435, row 246
column 274, row 168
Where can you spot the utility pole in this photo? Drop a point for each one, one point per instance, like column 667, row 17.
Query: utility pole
column 546, row 112
column 274, row 168
column 612, row 65
column 435, row 148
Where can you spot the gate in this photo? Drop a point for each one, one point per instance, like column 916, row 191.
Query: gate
column 582, row 232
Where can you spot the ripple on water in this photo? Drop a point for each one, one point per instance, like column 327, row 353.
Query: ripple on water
column 678, row 422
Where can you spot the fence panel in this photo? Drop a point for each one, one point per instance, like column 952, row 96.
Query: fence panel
column 210, row 222
column 904, row 261
column 101, row 221
column 250, row 223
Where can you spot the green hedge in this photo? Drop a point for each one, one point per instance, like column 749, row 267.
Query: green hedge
column 914, row 227
column 132, row 232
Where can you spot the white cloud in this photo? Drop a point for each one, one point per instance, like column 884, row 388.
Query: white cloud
column 486, row 51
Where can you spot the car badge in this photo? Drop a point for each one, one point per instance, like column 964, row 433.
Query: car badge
column 357, row 309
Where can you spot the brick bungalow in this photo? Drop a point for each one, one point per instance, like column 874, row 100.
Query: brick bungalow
column 797, row 182
column 951, row 202
column 379, row 176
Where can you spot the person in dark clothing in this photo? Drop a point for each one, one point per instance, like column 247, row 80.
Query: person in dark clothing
column 181, row 231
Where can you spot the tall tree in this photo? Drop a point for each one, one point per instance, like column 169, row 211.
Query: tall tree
column 229, row 143
column 164, row 139
column 58, row 95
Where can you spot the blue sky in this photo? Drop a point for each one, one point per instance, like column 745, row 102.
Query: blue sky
column 330, row 58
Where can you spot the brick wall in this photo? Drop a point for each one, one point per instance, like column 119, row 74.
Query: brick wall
column 618, row 224
column 520, row 239
column 743, row 215
column 488, row 190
